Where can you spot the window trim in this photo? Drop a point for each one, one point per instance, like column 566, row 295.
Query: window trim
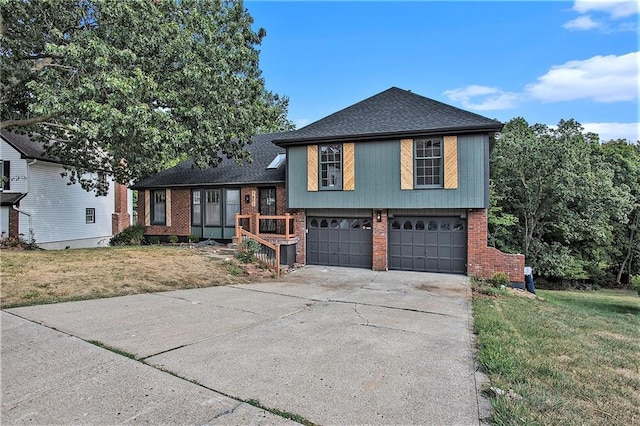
column 439, row 158
column 152, row 204
column 90, row 215
column 340, row 186
column 6, row 173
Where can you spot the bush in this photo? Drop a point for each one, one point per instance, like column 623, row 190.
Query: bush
column 193, row 238
column 18, row 242
column 500, row 279
column 247, row 250
column 130, row 236
column 154, row 240
column 635, row 283
column 173, row 239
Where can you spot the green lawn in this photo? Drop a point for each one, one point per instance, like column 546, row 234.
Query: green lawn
column 574, row 357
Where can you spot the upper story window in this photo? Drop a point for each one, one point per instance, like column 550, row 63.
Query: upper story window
column 158, row 207
column 90, row 215
column 428, row 163
column 330, row 166
column 6, row 175
column 277, row 161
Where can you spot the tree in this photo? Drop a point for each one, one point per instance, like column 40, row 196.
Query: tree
column 124, row 86
column 563, row 196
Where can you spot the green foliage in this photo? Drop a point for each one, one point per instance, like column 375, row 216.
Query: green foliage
column 247, row 250
column 143, row 82
column 154, row 239
column 635, row 283
column 173, row 239
column 130, row 236
column 500, row 279
column 559, row 197
column 193, row 238
column 18, row 242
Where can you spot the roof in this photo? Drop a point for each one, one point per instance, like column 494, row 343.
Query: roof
column 394, row 112
column 11, row 198
column 228, row 172
column 27, row 147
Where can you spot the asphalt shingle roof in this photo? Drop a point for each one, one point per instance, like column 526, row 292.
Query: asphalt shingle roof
column 27, row 147
column 228, row 172
column 392, row 112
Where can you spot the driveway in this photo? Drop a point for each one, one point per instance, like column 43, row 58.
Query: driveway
column 326, row 345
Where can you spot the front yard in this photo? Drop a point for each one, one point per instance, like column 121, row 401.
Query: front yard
column 572, row 358
column 30, row 277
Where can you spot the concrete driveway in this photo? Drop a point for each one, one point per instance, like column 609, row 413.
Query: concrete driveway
column 326, row 345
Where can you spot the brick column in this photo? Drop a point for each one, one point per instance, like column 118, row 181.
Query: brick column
column 14, row 222
column 380, row 245
column 120, row 218
column 300, row 224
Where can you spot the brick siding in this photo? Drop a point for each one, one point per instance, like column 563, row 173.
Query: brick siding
column 180, row 214
column 380, row 246
column 120, row 218
column 482, row 261
column 300, row 224
column 14, row 223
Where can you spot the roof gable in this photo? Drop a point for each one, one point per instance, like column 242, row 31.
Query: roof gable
column 392, row 112
column 227, row 172
column 27, row 147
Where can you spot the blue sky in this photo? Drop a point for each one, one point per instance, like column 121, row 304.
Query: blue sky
column 541, row 60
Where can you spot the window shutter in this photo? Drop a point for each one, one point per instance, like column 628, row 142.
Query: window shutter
column 6, row 174
column 349, row 166
column 406, row 164
column 312, row 167
column 450, row 162
column 147, row 207
column 167, row 206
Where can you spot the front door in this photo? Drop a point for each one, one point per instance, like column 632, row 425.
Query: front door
column 267, row 206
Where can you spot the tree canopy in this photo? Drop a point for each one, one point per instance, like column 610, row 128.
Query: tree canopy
column 568, row 202
column 124, row 86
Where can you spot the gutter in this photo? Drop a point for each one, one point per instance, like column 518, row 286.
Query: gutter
column 30, row 221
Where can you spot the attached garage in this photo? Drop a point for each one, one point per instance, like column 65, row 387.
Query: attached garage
column 428, row 244
column 335, row 241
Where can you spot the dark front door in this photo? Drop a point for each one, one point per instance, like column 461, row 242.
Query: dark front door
column 267, row 207
column 430, row 244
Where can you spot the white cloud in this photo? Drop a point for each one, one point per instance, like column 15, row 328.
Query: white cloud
column 485, row 98
column 617, row 9
column 600, row 78
column 582, row 23
column 608, row 131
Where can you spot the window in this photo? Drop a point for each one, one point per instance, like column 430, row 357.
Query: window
column 232, row 207
column 103, row 181
column 277, row 162
column 6, row 175
column 158, row 207
column 90, row 215
column 330, row 166
column 196, row 210
column 428, row 163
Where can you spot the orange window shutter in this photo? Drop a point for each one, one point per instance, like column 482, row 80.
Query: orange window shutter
column 349, row 167
column 450, row 162
column 406, row 164
column 312, row 167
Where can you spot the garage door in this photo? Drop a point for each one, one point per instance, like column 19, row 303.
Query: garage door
column 431, row 244
column 339, row 241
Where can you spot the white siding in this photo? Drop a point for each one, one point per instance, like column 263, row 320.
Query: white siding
column 58, row 210
column 17, row 168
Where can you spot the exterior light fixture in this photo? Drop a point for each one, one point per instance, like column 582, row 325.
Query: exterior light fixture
column 379, row 215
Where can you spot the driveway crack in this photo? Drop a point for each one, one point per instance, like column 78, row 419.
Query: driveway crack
column 355, row 309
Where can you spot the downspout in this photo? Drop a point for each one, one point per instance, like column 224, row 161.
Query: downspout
column 28, row 190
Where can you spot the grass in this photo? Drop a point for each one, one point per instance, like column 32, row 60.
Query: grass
column 36, row 277
column 574, row 357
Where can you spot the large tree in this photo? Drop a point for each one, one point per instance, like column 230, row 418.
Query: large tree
column 124, row 86
column 562, row 193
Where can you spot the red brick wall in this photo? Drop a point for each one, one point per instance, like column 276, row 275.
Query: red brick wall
column 482, row 261
column 180, row 214
column 14, row 223
column 254, row 205
column 300, row 224
column 380, row 245
column 120, row 218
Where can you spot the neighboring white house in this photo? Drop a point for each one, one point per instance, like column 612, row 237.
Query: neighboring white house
column 37, row 201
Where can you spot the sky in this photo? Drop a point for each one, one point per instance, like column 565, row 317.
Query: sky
column 544, row 61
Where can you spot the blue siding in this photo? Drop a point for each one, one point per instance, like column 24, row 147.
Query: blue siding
column 377, row 176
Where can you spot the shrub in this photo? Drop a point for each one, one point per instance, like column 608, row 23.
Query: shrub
column 18, row 242
column 173, row 239
column 247, row 250
column 130, row 236
column 500, row 279
column 635, row 283
column 154, row 240
column 193, row 238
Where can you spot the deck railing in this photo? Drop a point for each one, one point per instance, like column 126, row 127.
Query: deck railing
column 266, row 226
column 269, row 254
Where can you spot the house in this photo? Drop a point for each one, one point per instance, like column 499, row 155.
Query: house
column 396, row 181
column 37, row 202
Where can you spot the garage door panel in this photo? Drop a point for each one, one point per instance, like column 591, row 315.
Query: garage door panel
column 339, row 242
column 433, row 244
